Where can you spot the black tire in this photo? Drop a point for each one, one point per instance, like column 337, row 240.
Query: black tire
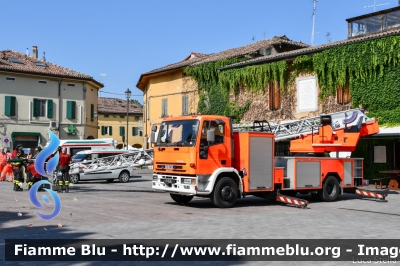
column 181, row 199
column 74, row 178
column 124, row 177
column 331, row 189
column 110, row 180
column 225, row 193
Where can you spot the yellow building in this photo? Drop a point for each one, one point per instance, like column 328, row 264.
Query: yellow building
column 113, row 122
column 168, row 91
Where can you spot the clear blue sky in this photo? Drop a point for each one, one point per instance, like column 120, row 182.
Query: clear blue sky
column 125, row 38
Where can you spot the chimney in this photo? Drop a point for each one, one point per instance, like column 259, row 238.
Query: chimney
column 35, row 52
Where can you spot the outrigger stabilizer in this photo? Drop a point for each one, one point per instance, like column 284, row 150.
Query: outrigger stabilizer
column 299, row 203
column 378, row 196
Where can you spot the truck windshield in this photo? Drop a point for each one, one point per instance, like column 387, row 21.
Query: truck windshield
column 178, row 133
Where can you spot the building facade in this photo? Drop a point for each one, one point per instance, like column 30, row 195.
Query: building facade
column 112, row 117
column 37, row 96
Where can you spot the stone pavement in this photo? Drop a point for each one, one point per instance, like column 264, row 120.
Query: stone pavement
column 101, row 210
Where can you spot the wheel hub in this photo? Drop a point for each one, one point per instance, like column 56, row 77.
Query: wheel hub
column 226, row 193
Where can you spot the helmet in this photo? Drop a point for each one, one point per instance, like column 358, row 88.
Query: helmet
column 19, row 146
column 38, row 148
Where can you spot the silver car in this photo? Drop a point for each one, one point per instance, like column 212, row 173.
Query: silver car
column 108, row 168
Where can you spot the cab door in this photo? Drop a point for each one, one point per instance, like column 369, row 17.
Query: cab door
column 213, row 155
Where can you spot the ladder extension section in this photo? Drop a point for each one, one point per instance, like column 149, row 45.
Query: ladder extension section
column 290, row 130
column 292, row 200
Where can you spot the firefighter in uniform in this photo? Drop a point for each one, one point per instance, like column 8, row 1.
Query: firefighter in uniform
column 17, row 149
column 17, row 165
column 63, row 166
column 3, row 162
column 7, row 169
column 33, row 176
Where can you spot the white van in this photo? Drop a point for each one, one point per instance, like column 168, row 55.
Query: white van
column 74, row 146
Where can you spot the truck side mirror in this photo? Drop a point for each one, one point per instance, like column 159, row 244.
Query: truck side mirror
column 153, row 137
column 153, row 128
column 211, row 135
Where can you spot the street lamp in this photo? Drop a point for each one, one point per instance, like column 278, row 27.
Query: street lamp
column 127, row 95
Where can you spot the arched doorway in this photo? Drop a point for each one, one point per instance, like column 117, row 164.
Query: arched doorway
column 90, row 137
column 137, row 145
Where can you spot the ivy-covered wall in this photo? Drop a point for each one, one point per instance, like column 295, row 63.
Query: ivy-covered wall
column 369, row 68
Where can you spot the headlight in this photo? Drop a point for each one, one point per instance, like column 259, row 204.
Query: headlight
column 187, row 181
column 155, row 177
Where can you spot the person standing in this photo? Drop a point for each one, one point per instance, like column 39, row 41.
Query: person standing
column 32, row 174
column 17, row 149
column 7, row 169
column 3, row 162
column 63, row 166
column 17, row 163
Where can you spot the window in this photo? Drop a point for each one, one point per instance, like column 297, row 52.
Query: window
column 106, row 130
column 10, row 78
column 274, row 96
column 185, row 105
column 343, row 95
column 219, row 133
column 40, row 64
column 71, row 106
column 137, row 118
column 42, row 82
column 14, row 60
column 135, row 131
column 140, row 133
column 164, row 107
column 91, row 112
column 121, row 131
column 9, row 105
column 106, row 116
column 71, row 85
column 39, row 107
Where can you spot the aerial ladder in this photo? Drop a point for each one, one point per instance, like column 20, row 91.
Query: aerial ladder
column 334, row 132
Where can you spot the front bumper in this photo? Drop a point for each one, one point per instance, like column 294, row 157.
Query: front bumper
column 175, row 184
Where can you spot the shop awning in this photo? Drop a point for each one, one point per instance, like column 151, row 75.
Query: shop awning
column 22, row 134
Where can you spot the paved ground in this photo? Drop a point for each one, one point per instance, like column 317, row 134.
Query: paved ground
column 100, row 210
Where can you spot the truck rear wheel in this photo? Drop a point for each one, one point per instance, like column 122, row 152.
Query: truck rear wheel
column 225, row 193
column 331, row 189
column 181, row 199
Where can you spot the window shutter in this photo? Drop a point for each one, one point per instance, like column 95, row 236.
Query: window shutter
column 35, row 107
column 49, row 108
column 102, row 130
column 121, row 131
column 9, row 107
column 91, row 112
column 71, row 106
column 141, row 133
column 134, row 131
column 148, row 110
column 110, row 130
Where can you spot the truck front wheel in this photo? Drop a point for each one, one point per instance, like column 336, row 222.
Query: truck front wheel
column 225, row 193
column 331, row 189
column 181, row 199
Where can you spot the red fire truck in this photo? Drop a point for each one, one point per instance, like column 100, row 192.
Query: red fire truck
column 206, row 156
